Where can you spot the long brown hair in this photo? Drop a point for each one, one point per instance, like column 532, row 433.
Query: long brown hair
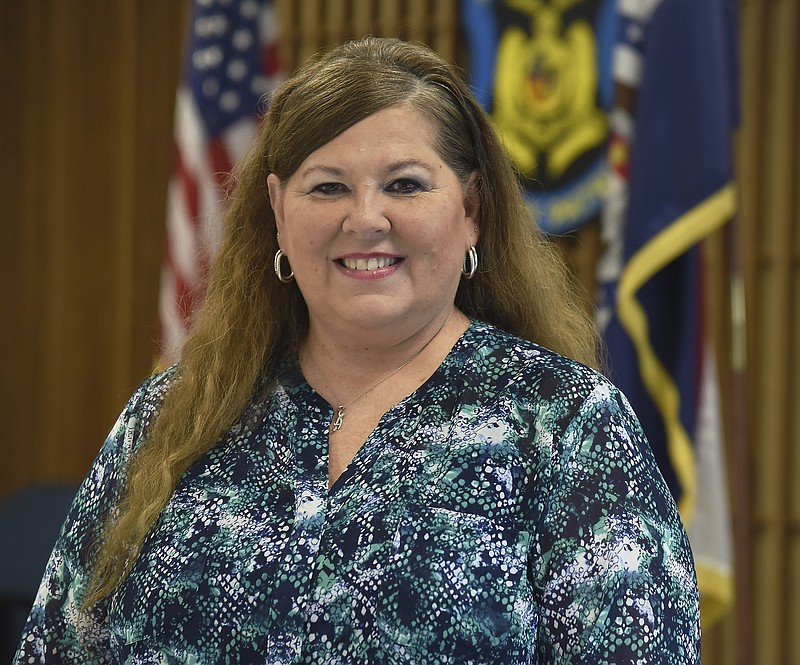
column 250, row 321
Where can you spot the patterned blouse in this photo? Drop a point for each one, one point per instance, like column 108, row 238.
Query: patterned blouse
column 508, row 511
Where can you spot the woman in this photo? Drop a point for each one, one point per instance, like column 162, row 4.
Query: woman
column 379, row 445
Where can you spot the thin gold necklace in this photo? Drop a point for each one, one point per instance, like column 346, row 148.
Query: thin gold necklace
column 338, row 418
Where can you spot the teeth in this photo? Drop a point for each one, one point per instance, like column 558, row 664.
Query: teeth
column 368, row 264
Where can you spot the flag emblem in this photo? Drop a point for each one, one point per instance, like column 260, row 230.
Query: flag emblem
column 540, row 69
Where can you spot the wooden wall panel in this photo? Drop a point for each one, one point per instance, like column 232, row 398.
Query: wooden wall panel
column 750, row 177
column 86, row 124
column 793, row 573
column 768, row 177
column 86, row 131
column 312, row 25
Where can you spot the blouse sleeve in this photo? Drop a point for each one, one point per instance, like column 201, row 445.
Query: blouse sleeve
column 612, row 562
column 51, row 634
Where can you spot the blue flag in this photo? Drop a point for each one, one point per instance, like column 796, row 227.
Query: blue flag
column 670, row 187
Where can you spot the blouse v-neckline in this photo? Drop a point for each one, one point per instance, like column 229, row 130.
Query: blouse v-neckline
column 314, row 405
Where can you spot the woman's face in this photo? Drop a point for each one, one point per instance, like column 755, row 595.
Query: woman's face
column 375, row 226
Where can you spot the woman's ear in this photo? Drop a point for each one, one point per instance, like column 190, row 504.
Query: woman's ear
column 472, row 207
column 276, row 198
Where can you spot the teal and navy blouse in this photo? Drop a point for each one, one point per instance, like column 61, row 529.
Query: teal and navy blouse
column 508, row 511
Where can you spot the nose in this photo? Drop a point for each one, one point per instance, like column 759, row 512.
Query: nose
column 367, row 215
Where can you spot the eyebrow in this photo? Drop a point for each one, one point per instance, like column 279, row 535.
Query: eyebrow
column 405, row 163
column 393, row 168
column 327, row 170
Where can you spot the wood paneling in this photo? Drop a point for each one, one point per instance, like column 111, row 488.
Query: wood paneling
column 768, row 175
column 312, row 25
column 86, row 127
column 86, row 121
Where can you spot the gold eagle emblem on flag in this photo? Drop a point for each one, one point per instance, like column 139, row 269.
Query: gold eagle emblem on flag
column 545, row 95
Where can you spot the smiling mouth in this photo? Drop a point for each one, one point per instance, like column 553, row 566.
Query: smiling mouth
column 369, row 264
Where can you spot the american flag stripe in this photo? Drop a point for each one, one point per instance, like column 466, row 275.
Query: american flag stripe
column 230, row 63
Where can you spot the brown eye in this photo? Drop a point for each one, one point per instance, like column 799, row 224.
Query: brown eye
column 329, row 188
column 404, row 186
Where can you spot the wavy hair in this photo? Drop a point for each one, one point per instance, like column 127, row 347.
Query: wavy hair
column 250, row 321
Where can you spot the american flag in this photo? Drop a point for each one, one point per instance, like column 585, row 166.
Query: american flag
column 230, row 64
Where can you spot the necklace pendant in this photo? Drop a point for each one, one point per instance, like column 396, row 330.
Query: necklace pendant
column 336, row 425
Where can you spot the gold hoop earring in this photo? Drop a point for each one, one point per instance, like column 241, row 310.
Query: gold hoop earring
column 277, row 267
column 471, row 258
